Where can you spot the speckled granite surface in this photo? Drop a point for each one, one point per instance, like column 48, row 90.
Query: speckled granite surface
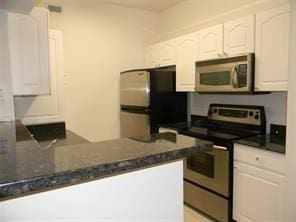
column 25, row 168
column 265, row 142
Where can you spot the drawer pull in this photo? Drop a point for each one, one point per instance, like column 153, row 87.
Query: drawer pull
column 257, row 158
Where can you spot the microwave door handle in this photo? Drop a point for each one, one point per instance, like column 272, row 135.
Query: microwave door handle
column 234, row 76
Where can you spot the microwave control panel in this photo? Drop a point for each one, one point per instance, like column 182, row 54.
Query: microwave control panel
column 242, row 75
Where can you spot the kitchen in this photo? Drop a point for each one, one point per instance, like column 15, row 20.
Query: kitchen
column 102, row 40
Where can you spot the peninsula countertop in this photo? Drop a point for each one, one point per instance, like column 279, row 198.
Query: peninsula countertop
column 26, row 167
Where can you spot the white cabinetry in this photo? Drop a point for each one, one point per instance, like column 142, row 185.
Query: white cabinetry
column 46, row 108
column 152, row 55
column 258, row 185
column 186, row 47
column 272, row 49
column 161, row 54
column 239, row 36
column 28, row 41
column 167, row 53
column 211, row 43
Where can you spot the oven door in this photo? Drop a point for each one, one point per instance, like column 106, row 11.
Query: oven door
column 216, row 78
column 209, row 170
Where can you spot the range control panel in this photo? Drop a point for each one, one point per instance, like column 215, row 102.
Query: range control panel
column 253, row 115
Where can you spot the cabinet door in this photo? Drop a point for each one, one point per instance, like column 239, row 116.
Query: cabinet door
column 152, row 54
column 186, row 47
column 211, row 42
column 272, row 49
column 167, row 55
column 46, row 108
column 28, row 39
column 258, row 195
column 239, row 36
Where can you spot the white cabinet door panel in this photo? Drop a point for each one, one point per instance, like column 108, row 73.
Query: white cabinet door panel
column 211, row 42
column 28, row 37
column 272, row 49
column 258, row 195
column 46, row 108
column 152, row 55
column 167, row 53
column 185, row 62
column 239, row 36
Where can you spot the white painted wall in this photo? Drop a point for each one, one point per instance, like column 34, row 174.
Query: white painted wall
column 100, row 41
column 290, row 202
column 6, row 99
column 275, row 104
column 192, row 15
column 149, row 195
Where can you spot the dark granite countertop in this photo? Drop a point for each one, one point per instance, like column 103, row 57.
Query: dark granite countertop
column 176, row 126
column 195, row 121
column 26, row 167
column 265, row 142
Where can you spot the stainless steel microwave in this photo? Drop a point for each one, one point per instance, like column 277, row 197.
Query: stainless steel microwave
column 226, row 75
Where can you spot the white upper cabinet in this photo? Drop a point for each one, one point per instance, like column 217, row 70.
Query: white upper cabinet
column 152, row 56
column 18, row 6
column 167, row 53
column 239, row 36
column 186, row 47
column 211, row 43
column 161, row 54
column 28, row 40
column 272, row 49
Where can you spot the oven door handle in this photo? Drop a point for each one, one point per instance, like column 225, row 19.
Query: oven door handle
column 220, row 148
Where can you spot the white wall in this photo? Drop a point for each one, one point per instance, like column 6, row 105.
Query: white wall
column 6, row 100
column 100, row 41
column 275, row 104
column 192, row 15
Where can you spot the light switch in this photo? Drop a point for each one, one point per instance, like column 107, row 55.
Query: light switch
column 2, row 95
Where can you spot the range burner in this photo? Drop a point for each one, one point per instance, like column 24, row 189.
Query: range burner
column 229, row 122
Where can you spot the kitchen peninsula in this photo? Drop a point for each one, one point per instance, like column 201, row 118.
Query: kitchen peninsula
column 129, row 179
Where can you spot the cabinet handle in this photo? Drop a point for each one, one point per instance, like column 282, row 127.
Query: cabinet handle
column 257, row 158
column 225, row 54
column 234, row 167
column 219, row 55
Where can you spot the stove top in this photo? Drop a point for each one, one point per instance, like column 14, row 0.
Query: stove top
column 226, row 123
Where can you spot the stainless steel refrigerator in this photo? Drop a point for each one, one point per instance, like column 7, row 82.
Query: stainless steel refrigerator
column 148, row 99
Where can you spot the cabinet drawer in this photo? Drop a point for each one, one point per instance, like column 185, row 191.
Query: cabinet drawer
column 263, row 159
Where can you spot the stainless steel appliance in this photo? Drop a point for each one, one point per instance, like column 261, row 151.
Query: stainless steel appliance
column 226, row 75
column 148, row 98
column 208, row 177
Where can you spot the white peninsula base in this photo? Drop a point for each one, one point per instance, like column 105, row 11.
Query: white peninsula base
column 154, row 194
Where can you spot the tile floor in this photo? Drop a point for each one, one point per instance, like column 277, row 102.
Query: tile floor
column 193, row 216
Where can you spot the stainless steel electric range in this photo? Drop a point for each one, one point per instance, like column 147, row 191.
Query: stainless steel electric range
column 208, row 177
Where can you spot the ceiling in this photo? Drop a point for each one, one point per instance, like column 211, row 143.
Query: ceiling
column 153, row 5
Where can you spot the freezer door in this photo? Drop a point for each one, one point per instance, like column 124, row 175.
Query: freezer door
column 135, row 88
column 134, row 124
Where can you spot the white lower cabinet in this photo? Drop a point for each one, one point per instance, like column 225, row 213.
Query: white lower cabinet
column 258, row 194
